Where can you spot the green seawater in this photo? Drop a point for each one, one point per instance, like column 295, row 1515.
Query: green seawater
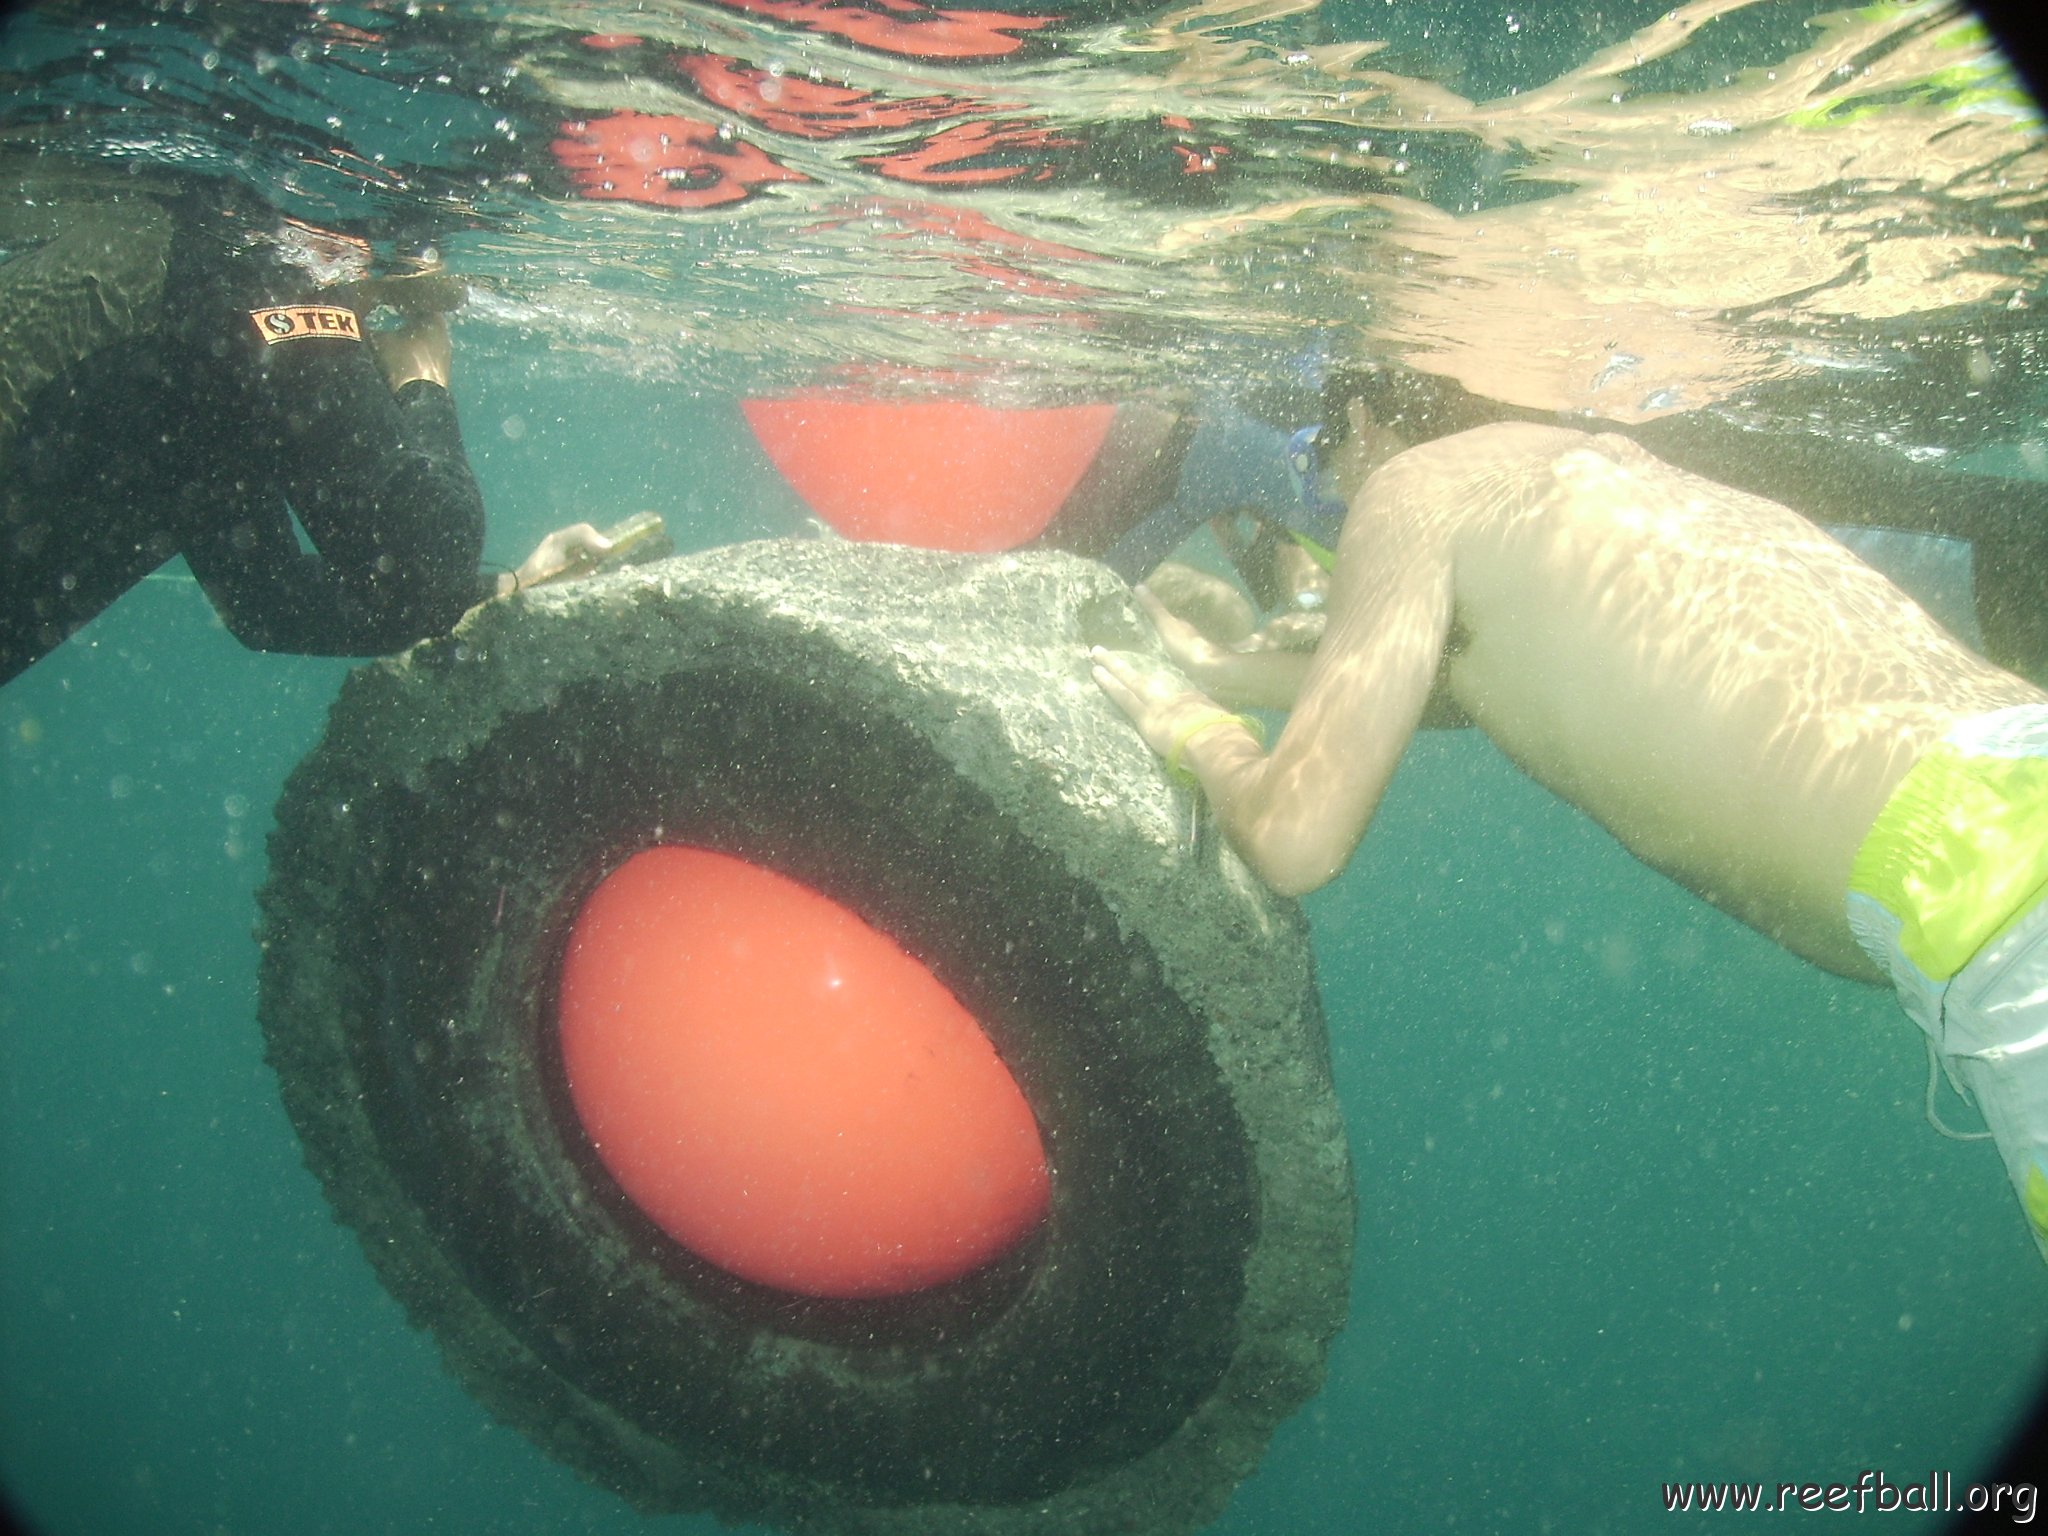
column 1642, row 1199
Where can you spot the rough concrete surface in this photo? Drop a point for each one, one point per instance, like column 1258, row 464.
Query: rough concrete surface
column 918, row 734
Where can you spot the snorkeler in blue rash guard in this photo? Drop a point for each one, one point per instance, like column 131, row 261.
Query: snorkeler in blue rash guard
column 1233, row 463
column 1165, row 470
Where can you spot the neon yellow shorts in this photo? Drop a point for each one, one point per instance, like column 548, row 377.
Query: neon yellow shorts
column 1949, row 895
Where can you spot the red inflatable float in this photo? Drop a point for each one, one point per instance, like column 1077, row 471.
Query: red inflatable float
column 784, row 1090
column 939, row 474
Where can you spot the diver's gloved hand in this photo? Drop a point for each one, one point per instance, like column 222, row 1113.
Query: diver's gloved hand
column 1303, row 583
column 1194, row 652
column 1300, row 631
column 1223, row 616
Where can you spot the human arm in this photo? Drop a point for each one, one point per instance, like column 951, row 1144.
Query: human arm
column 1217, row 638
column 1296, row 814
column 304, row 418
column 387, row 500
column 1254, row 678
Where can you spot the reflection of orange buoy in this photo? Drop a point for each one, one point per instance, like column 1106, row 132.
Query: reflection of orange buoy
column 784, row 1090
column 664, row 162
column 940, row 474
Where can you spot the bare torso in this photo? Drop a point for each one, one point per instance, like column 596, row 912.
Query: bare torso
column 1722, row 686
column 1718, row 683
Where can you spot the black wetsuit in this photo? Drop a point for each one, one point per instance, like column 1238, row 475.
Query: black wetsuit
column 189, row 434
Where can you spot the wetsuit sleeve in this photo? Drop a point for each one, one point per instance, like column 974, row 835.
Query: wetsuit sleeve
column 379, row 483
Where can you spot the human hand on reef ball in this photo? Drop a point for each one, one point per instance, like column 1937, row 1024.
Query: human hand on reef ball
column 565, row 552
column 1188, row 642
column 1156, row 698
column 1258, row 677
column 1225, row 617
column 1265, row 670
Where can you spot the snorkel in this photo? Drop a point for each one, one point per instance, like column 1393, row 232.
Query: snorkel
column 1323, row 509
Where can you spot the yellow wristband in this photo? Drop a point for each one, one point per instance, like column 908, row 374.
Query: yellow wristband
column 1207, row 722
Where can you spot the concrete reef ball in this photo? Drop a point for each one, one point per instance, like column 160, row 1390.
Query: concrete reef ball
column 914, row 737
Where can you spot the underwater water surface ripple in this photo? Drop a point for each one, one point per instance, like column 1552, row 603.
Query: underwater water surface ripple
column 1623, row 210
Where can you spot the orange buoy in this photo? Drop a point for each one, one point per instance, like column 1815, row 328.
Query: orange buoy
column 939, row 474
column 783, row 1089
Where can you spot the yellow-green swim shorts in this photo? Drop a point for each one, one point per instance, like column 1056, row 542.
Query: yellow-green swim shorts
column 1949, row 895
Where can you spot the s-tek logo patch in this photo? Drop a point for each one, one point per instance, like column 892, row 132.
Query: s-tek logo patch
column 295, row 322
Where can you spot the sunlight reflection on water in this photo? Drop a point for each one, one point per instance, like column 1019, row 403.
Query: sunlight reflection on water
column 1723, row 205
